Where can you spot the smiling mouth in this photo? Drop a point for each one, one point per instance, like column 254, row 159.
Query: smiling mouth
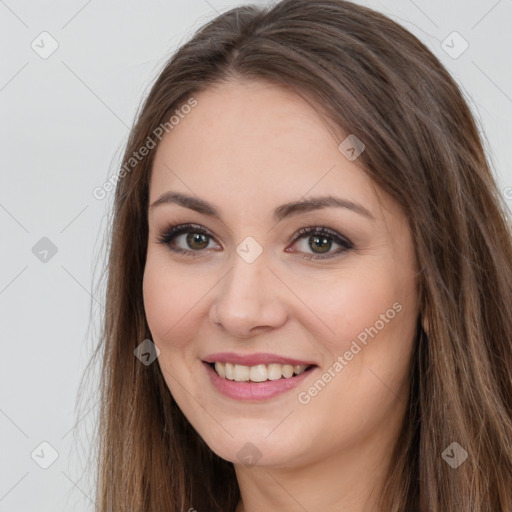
column 259, row 372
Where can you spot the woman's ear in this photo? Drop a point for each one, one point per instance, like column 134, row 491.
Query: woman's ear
column 424, row 323
column 424, row 320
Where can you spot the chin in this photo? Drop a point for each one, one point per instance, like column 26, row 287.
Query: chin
column 257, row 448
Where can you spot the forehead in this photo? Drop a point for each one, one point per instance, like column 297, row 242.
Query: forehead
column 255, row 137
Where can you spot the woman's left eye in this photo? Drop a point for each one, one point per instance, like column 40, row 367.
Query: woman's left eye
column 322, row 239
column 195, row 238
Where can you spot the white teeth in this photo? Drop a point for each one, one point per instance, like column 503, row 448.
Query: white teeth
column 287, row 370
column 220, row 369
column 274, row 371
column 230, row 371
column 258, row 373
column 241, row 373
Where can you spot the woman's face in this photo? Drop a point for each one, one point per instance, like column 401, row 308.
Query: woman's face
column 265, row 299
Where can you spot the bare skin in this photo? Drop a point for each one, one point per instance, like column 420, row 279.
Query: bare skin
column 247, row 148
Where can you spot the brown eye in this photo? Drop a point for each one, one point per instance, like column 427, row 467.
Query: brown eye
column 197, row 240
column 320, row 241
column 188, row 239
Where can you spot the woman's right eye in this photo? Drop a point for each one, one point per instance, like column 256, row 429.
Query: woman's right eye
column 193, row 239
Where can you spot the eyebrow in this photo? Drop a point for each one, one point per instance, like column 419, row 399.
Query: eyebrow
column 279, row 213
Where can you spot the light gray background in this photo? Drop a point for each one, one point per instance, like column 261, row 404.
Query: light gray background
column 64, row 121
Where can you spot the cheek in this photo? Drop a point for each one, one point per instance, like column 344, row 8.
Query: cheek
column 374, row 321
column 170, row 302
column 346, row 306
column 369, row 356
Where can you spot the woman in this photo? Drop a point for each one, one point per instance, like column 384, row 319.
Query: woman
column 309, row 282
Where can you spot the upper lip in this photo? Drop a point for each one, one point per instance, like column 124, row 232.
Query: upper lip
column 254, row 359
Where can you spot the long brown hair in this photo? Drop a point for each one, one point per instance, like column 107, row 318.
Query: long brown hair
column 372, row 78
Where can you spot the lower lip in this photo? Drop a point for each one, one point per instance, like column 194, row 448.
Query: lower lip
column 254, row 391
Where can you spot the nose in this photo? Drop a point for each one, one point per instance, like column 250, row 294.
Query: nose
column 249, row 300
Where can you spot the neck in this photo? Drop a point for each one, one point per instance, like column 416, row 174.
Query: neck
column 349, row 480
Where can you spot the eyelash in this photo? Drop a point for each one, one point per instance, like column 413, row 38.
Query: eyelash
column 171, row 232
